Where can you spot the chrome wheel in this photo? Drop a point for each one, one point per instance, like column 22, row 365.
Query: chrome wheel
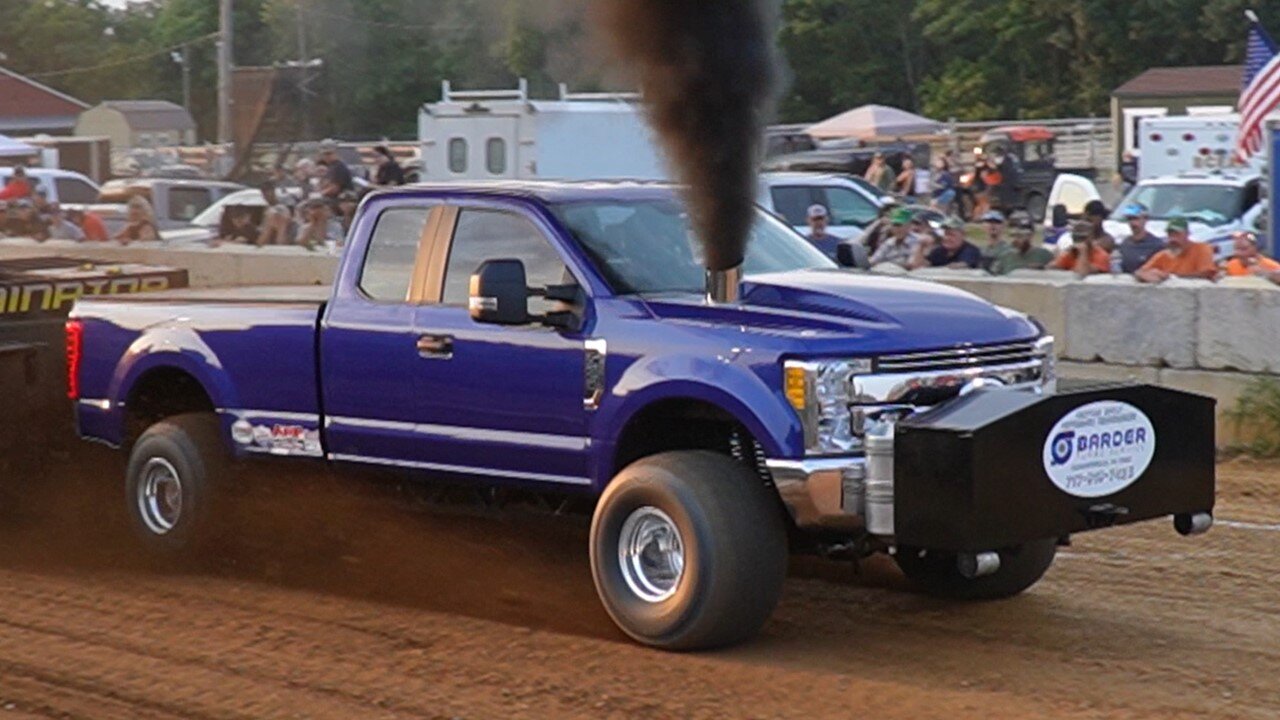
column 651, row 554
column 160, row 496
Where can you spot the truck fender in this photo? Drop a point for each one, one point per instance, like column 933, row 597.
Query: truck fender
column 731, row 387
column 179, row 348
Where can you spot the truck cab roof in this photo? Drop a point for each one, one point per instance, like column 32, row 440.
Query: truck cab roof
column 549, row 191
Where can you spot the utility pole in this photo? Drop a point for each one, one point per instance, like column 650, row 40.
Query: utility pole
column 225, row 63
column 305, row 78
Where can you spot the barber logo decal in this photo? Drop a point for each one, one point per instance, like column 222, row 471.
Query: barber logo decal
column 1099, row 449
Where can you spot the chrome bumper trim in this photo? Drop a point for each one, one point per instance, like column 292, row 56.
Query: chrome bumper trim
column 821, row 494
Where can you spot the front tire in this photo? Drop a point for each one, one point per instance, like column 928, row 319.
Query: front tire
column 171, row 483
column 937, row 574
column 688, row 551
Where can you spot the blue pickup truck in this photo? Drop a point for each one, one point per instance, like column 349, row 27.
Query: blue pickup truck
column 562, row 339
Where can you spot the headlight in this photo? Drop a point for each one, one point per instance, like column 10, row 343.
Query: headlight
column 821, row 392
column 1049, row 370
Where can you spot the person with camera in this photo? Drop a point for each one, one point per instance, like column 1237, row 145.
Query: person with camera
column 1085, row 256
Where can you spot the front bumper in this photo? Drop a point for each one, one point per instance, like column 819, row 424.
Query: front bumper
column 995, row 468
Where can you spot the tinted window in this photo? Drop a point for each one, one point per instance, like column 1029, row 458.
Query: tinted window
column 848, row 207
column 793, row 204
column 71, row 190
column 1210, row 204
column 494, row 235
column 186, row 203
column 495, row 156
column 388, row 264
column 458, row 155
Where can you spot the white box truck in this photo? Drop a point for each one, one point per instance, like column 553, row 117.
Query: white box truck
column 1192, row 143
column 503, row 134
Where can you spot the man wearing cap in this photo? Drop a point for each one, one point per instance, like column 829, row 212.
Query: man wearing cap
column 337, row 176
column 1140, row 246
column 824, row 241
column 1182, row 258
column 60, row 228
column 1096, row 213
column 1084, row 257
column 1248, row 259
column 901, row 244
column 878, row 230
column 994, row 223
column 954, row 251
column 1022, row 252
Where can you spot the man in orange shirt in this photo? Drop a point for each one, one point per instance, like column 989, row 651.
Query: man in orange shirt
column 1181, row 258
column 1248, row 260
column 1085, row 257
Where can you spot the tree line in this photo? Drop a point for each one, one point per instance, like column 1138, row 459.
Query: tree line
column 967, row 59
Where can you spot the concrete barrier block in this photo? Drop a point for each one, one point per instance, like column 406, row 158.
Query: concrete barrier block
column 1108, row 373
column 1237, row 327
column 1117, row 321
column 1225, row 387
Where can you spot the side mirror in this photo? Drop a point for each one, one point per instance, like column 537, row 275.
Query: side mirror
column 500, row 293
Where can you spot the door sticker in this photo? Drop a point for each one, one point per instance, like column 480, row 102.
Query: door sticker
column 1099, row 449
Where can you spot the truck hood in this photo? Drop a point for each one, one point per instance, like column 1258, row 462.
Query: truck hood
column 882, row 314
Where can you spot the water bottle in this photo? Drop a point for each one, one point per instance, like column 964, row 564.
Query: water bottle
column 1116, row 263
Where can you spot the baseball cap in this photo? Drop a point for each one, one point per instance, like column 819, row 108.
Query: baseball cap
column 1095, row 208
column 817, row 211
column 901, row 216
column 1133, row 210
column 1178, row 223
column 1081, row 230
column 953, row 223
column 993, row 216
column 328, row 146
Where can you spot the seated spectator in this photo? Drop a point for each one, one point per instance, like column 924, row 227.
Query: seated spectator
column 953, row 251
column 1140, row 245
column 942, row 186
column 1248, row 259
column 349, row 201
column 1023, row 252
column 1096, row 213
column 822, row 241
column 278, row 226
column 389, row 170
column 141, row 225
column 60, row 228
column 993, row 221
column 319, row 226
column 1084, row 257
column 898, row 247
column 18, row 187
column 878, row 230
column 1183, row 257
column 90, row 224
column 238, row 226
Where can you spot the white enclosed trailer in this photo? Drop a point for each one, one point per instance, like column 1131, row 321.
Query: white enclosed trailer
column 503, row 134
column 1193, row 143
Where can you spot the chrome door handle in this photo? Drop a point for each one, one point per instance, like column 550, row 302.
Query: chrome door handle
column 435, row 347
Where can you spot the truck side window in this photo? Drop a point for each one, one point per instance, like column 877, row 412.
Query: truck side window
column 458, row 155
column 75, row 191
column 186, row 203
column 848, row 207
column 792, row 203
column 388, row 264
column 495, row 235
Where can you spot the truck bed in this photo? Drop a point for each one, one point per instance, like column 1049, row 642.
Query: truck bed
column 253, row 350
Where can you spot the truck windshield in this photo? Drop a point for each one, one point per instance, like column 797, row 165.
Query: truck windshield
column 1211, row 205
column 648, row 246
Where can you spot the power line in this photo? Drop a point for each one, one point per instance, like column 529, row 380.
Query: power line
column 125, row 61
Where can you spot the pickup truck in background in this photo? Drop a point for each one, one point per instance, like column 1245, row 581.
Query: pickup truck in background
column 176, row 202
column 563, row 339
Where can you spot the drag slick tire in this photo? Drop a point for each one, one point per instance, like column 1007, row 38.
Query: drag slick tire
column 688, row 551
column 170, row 484
column 937, row 574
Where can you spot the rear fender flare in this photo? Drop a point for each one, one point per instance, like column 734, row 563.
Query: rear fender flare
column 177, row 348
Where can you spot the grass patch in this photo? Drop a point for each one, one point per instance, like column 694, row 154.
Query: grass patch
column 1257, row 416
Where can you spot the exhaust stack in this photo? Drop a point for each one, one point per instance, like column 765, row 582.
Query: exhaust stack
column 724, row 286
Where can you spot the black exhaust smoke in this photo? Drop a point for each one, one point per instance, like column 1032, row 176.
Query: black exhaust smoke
column 707, row 71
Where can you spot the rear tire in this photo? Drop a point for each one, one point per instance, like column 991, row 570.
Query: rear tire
column 936, row 573
column 171, row 485
column 724, row 526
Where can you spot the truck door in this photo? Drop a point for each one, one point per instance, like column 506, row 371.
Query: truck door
column 480, row 148
column 367, row 343
column 493, row 401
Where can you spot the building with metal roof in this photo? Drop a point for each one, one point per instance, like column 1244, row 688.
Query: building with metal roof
column 31, row 108
column 1161, row 91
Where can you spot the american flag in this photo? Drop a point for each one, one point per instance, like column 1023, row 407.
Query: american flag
column 1261, row 90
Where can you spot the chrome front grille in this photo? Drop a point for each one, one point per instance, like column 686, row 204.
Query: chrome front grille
column 961, row 358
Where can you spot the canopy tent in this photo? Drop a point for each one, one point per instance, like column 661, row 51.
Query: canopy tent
column 10, row 148
column 871, row 122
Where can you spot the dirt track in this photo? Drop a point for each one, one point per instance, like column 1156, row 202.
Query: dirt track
column 338, row 603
